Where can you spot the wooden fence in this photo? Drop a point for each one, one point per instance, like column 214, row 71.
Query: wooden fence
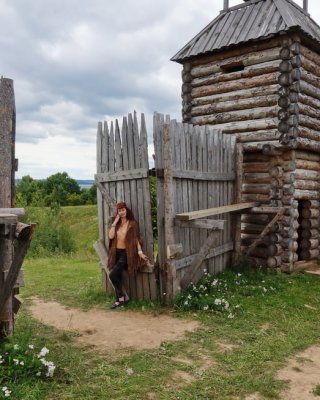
column 195, row 168
column 122, row 175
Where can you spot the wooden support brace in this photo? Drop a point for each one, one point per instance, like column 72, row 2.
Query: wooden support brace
column 198, row 260
column 267, row 229
column 13, row 272
column 105, row 195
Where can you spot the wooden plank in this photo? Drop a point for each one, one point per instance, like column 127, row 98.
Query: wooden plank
column 14, row 269
column 158, row 122
column 201, row 223
column 186, row 261
column 215, row 211
column 8, row 218
column 118, row 161
column 205, row 176
column 168, row 204
column 198, row 260
column 16, row 211
column 135, row 173
column 132, row 196
column 105, row 195
column 184, row 187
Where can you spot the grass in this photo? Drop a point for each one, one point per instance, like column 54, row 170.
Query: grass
column 268, row 327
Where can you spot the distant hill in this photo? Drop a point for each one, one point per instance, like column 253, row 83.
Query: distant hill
column 83, row 183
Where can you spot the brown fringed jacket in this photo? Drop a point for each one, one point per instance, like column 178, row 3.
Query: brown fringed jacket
column 135, row 263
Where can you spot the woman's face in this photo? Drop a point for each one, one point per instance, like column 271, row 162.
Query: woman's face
column 122, row 212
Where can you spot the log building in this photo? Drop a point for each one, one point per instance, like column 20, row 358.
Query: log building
column 253, row 72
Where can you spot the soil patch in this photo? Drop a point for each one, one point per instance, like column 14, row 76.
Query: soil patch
column 302, row 375
column 114, row 330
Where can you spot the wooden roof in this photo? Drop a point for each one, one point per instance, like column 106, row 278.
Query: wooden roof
column 250, row 20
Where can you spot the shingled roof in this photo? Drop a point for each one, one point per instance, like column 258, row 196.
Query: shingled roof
column 251, row 20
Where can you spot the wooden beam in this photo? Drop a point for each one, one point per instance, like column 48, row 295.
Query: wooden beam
column 201, row 223
column 199, row 258
column 278, row 216
column 138, row 173
column 13, row 272
column 8, row 218
column 15, row 211
column 215, row 211
column 105, row 195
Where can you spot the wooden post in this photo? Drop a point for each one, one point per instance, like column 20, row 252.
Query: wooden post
column 168, row 208
column 236, row 220
column 7, row 169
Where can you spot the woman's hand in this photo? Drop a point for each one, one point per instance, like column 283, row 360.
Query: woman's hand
column 143, row 256
column 116, row 220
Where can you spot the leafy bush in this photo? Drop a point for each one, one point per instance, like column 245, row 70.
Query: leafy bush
column 51, row 236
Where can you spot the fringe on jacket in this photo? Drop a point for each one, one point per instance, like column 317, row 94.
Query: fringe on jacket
column 135, row 264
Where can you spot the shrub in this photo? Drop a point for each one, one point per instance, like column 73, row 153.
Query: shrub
column 51, row 236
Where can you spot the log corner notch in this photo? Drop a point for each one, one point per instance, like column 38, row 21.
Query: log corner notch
column 290, row 86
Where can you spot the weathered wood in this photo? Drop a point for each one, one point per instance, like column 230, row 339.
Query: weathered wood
column 137, row 173
column 309, row 243
column 206, row 176
column 261, row 80
column 310, row 254
column 235, row 95
column 201, row 224
column 253, row 58
column 265, row 231
column 311, row 203
column 16, row 211
column 248, row 72
column 238, row 115
column 311, row 223
column 310, row 233
column 174, row 250
column 240, row 126
column 215, row 211
column 14, row 269
column 264, row 210
column 232, row 105
column 297, row 267
column 257, row 136
column 198, row 260
column 274, row 262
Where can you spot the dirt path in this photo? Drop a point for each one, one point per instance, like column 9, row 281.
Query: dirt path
column 112, row 330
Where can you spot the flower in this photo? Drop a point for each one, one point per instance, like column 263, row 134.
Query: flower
column 31, row 346
column 217, row 302
column 205, row 307
column 43, row 352
column 16, row 347
column 16, row 361
column 186, row 303
column 231, row 315
column 129, row 371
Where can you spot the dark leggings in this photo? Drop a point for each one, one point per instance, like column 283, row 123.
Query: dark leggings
column 115, row 275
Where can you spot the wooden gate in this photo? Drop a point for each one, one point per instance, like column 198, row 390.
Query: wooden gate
column 123, row 175
column 195, row 168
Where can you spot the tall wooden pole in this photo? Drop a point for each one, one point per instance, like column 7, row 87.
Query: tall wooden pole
column 7, row 170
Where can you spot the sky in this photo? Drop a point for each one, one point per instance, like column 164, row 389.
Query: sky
column 77, row 62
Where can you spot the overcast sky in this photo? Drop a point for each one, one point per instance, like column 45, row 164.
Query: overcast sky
column 77, row 62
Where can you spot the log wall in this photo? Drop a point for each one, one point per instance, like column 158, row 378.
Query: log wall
column 268, row 96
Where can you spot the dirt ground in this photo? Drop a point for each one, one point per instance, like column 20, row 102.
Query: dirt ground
column 114, row 331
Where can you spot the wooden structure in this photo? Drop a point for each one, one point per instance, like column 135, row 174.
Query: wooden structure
column 122, row 175
column 10, row 229
column 253, row 73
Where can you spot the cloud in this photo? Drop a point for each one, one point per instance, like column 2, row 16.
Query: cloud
column 77, row 62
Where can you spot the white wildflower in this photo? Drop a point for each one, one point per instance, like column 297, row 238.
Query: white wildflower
column 186, row 303
column 206, row 308
column 43, row 352
column 239, row 274
column 7, row 393
column 217, row 302
column 189, row 296
column 16, row 347
column 264, row 289
column 22, row 363
column 226, row 305
column 38, row 373
column 51, row 368
column 129, row 371
column 4, row 388
column 15, row 361
column 31, row 346
column 231, row 315
column 214, row 282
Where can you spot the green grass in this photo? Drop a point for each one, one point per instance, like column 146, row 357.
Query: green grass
column 251, row 366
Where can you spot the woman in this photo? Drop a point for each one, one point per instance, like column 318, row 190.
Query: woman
column 125, row 251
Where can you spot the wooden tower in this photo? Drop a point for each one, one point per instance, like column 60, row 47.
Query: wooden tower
column 253, row 72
